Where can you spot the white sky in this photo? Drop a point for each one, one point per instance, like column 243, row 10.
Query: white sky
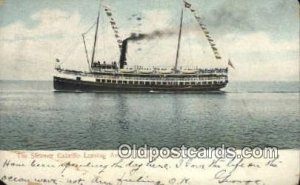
column 261, row 37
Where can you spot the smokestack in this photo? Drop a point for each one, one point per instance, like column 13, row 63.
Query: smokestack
column 123, row 53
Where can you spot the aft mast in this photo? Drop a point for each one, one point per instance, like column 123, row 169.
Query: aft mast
column 179, row 41
column 95, row 39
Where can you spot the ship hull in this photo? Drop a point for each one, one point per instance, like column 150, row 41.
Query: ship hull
column 64, row 84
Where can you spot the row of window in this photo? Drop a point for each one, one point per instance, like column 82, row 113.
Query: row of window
column 170, row 79
column 155, row 82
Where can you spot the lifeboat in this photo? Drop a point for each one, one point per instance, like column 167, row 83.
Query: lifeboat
column 146, row 71
column 189, row 71
column 165, row 71
column 127, row 70
column 109, row 70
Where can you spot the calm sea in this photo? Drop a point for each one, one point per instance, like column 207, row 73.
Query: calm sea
column 33, row 116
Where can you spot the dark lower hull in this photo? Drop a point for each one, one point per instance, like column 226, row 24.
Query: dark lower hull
column 63, row 84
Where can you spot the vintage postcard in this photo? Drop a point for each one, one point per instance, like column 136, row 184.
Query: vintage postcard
column 155, row 92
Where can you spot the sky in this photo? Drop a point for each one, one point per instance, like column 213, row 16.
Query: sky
column 260, row 37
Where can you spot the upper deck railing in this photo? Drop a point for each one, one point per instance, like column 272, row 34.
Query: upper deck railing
column 154, row 71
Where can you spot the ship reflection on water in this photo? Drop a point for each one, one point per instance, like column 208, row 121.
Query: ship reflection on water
column 34, row 117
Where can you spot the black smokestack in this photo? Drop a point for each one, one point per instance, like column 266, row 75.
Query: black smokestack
column 123, row 53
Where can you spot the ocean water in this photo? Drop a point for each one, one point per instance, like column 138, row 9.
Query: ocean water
column 33, row 116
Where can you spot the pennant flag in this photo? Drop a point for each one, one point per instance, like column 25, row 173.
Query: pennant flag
column 197, row 18
column 214, row 48
column 113, row 26
column 216, row 53
column 206, row 33
column 230, row 64
column 187, row 5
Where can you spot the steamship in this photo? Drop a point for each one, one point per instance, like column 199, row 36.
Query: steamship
column 119, row 76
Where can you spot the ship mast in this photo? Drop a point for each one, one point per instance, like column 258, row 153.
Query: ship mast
column 96, row 35
column 179, row 41
column 86, row 52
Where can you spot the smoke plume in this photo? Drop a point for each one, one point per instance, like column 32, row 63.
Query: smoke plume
column 149, row 36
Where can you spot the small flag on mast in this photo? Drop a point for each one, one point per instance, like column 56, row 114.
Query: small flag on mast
column 187, row 5
column 230, row 64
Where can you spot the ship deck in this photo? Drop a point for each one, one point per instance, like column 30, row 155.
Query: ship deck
column 205, row 73
column 103, row 81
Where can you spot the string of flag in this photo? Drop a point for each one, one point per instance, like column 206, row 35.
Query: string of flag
column 204, row 29
column 114, row 26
